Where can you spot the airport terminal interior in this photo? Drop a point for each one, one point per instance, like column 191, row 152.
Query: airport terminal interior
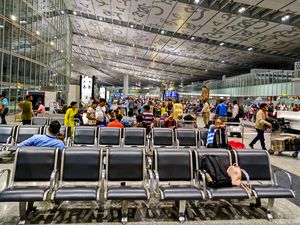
column 150, row 112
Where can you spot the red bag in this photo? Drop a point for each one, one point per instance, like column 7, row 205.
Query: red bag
column 236, row 145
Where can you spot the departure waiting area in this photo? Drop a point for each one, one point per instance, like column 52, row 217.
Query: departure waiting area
column 149, row 112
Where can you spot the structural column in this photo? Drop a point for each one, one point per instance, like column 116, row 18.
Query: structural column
column 125, row 84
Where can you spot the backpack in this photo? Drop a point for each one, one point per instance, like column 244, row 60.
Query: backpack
column 241, row 112
column 215, row 172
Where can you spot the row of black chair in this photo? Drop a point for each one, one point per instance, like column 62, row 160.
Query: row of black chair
column 175, row 176
column 11, row 135
column 46, row 120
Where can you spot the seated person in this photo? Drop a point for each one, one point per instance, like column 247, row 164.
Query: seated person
column 130, row 120
column 139, row 121
column 164, row 116
column 213, row 136
column 52, row 139
column 170, row 121
column 111, row 115
column 116, row 122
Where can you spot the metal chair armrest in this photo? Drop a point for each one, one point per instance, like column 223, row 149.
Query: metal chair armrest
column 246, row 175
column 149, row 162
column 196, row 174
column 287, row 174
column 7, row 177
column 156, row 176
column 151, row 180
column 53, row 180
column 202, row 143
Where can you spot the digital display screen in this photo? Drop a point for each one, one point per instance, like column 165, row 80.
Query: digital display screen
column 171, row 94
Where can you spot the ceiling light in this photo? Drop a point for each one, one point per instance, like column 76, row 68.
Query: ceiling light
column 133, row 45
column 110, row 40
column 206, row 70
column 85, row 35
column 23, row 22
column 131, row 26
column 250, row 49
column 221, row 44
column 62, row 12
column 135, row 57
column 13, row 17
column 285, row 18
column 197, row 1
column 72, row 64
column 61, row 51
column 162, row 32
column 54, row 37
column 192, row 38
column 100, row 18
column 1, row 26
column 222, row 61
column 79, row 46
column 75, row 13
column 37, row 32
column 51, row 43
column 241, row 10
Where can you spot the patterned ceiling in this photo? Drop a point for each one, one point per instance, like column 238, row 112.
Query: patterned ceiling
column 166, row 40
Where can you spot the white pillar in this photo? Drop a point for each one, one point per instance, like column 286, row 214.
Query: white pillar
column 125, row 84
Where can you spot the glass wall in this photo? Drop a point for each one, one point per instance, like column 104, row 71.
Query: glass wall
column 35, row 47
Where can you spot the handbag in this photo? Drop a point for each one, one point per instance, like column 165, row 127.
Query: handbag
column 235, row 173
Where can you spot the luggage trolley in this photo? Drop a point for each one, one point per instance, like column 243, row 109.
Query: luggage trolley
column 283, row 142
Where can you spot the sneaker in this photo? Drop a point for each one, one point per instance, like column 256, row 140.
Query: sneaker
column 251, row 146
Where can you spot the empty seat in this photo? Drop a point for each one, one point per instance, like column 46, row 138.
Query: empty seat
column 84, row 135
column 39, row 121
column 203, row 137
column 109, row 136
column 61, row 120
column 186, row 137
column 174, row 176
column 135, row 137
column 7, row 133
column 256, row 163
column 125, row 166
column 80, row 175
column 162, row 137
column 33, row 170
column 220, row 192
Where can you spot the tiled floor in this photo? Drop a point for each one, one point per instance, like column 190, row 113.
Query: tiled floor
column 285, row 211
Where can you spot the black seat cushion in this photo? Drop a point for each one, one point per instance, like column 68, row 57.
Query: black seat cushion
column 109, row 136
column 134, row 136
column 127, row 193
column 84, row 135
column 162, row 137
column 179, row 192
column 228, row 193
column 76, row 194
column 22, row 194
column 272, row 191
column 5, row 132
column 186, row 137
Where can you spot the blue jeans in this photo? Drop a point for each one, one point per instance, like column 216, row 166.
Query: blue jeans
column 3, row 119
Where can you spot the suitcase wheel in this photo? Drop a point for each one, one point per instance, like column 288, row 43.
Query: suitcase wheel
column 271, row 151
column 295, row 154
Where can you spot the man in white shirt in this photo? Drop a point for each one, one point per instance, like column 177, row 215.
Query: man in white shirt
column 101, row 112
column 91, row 114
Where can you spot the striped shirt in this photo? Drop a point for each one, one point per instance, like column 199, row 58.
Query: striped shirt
column 210, row 135
column 148, row 119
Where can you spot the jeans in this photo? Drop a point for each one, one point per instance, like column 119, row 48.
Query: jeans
column 259, row 136
column 3, row 119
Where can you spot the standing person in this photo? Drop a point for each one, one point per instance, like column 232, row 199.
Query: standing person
column 91, row 114
column 148, row 118
column 235, row 112
column 4, row 109
column 261, row 125
column 221, row 111
column 177, row 109
column 27, row 112
column 205, row 112
column 69, row 116
column 130, row 105
column 101, row 113
column 41, row 109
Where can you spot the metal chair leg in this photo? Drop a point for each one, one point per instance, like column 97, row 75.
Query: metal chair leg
column 270, row 208
column 22, row 211
column 124, row 210
column 182, row 205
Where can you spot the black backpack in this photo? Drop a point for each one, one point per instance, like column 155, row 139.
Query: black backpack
column 215, row 172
